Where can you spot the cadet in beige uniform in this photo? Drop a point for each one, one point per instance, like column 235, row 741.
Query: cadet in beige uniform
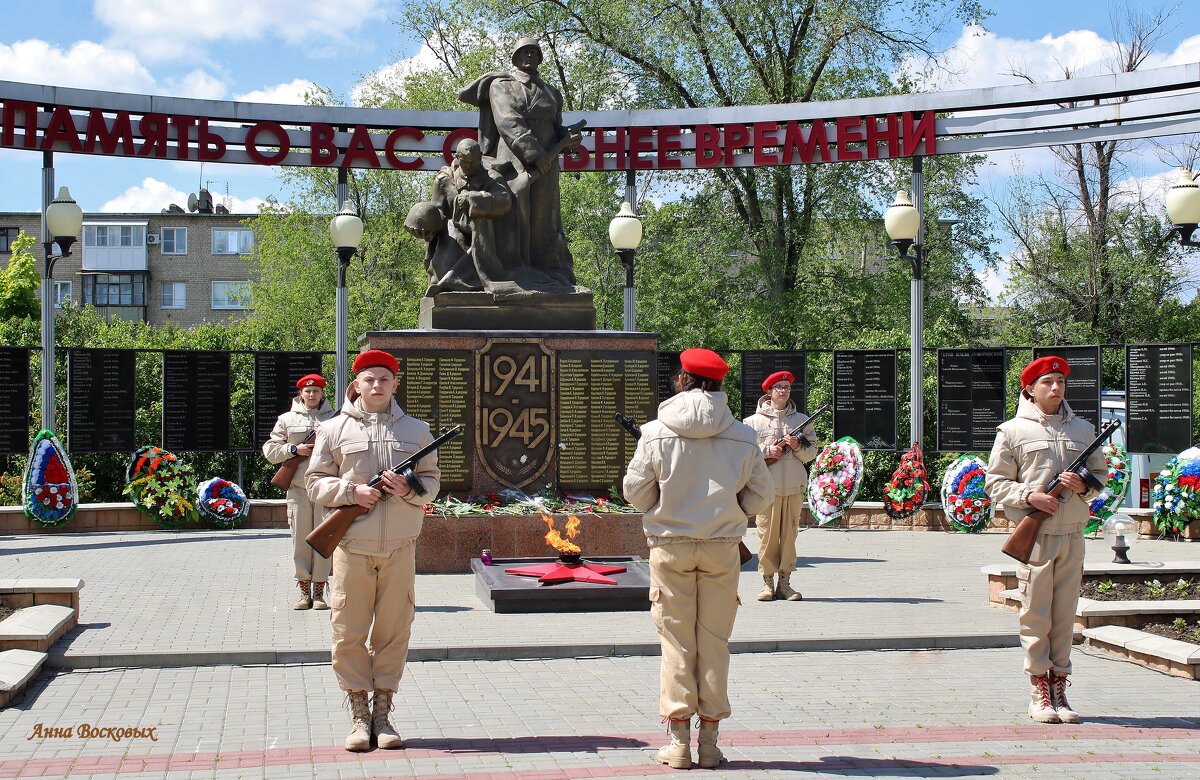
column 1030, row 450
column 696, row 474
column 285, row 443
column 777, row 528
column 374, row 567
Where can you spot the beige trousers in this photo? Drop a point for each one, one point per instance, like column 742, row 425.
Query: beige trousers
column 693, row 601
column 1049, row 587
column 777, row 535
column 303, row 517
column 366, row 589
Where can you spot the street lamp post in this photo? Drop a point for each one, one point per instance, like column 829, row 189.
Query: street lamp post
column 625, row 232
column 346, row 230
column 63, row 220
column 903, row 224
column 1183, row 208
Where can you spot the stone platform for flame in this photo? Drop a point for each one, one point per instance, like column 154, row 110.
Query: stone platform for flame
column 513, row 594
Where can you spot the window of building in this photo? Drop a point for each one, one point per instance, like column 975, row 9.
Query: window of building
column 174, row 295
column 114, row 235
column 114, row 289
column 232, row 241
column 62, row 293
column 173, row 241
column 8, row 236
column 231, row 295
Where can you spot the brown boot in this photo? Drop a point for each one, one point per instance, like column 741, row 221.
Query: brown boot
column 385, row 735
column 783, row 588
column 318, row 599
column 677, row 753
column 708, row 755
column 304, row 602
column 359, row 740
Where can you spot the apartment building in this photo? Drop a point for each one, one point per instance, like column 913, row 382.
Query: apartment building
column 177, row 266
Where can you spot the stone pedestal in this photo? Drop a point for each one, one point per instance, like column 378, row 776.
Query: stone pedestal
column 483, row 311
column 574, row 408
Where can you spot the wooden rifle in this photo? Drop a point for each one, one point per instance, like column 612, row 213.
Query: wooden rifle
column 287, row 470
column 1020, row 543
column 632, row 428
column 326, row 536
column 804, row 442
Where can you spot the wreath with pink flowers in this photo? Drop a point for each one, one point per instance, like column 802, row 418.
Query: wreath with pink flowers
column 834, row 480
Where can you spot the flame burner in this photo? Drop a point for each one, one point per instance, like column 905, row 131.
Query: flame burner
column 564, row 570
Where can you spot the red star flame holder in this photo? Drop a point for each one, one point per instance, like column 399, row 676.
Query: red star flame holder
column 568, row 568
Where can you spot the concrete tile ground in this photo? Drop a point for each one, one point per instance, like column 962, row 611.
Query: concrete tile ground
column 856, row 714
column 163, row 592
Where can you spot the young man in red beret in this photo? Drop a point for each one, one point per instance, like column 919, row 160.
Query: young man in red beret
column 1030, row 450
column 309, row 407
column 696, row 475
column 374, row 567
column 777, row 528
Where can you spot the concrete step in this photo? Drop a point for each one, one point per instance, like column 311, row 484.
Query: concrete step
column 17, row 668
column 36, row 628
column 1181, row 659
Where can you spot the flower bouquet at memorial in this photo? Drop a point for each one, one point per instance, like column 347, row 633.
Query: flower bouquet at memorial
column 1115, row 487
column 162, row 487
column 834, row 479
column 1176, row 493
column 967, row 506
column 49, row 490
column 222, row 503
column 909, row 486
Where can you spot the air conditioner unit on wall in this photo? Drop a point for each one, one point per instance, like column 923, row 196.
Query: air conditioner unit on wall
column 152, row 238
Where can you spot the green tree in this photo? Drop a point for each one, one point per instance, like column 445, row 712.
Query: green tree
column 20, row 283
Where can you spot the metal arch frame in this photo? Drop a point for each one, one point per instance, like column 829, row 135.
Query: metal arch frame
column 1150, row 103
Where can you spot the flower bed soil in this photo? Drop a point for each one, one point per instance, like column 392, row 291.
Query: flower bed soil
column 1188, row 631
column 5, row 611
column 1148, row 590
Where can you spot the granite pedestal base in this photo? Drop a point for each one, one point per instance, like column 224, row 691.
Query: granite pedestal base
column 483, row 311
column 507, row 594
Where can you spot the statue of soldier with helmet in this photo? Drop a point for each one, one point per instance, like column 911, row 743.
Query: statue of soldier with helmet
column 479, row 239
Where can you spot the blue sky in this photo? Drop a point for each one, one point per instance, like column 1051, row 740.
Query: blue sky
column 271, row 50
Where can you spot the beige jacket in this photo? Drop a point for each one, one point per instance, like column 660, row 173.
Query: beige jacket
column 1030, row 450
column 788, row 473
column 355, row 446
column 697, row 472
column 291, row 428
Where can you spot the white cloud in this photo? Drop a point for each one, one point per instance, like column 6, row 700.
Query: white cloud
column 86, row 65
column 89, row 65
column 153, row 195
column 174, row 31
column 292, row 93
column 995, row 281
column 388, row 79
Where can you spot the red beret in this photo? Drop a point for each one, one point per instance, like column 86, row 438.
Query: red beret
column 375, row 358
column 311, row 380
column 1044, row 365
column 704, row 363
column 778, row 376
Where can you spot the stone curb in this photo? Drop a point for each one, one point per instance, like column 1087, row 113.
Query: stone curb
column 168, row 660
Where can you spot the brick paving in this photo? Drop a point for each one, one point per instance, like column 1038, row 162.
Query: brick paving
column 836, row 714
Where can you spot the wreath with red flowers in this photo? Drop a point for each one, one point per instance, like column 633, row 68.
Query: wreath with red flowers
column 909, row 486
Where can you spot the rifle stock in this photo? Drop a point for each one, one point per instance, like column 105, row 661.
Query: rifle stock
column 328, row 535
column 634, row 430
column 1019, row 544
